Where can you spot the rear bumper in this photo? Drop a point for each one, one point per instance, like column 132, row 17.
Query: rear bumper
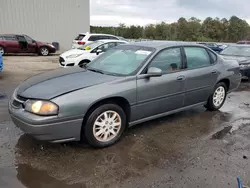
column 41, row 128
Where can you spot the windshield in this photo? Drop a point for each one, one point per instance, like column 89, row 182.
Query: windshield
column 237, row 51
column 121, row 60
column 90, row 45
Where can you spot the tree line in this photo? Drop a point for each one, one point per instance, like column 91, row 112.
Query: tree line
column 193, row 29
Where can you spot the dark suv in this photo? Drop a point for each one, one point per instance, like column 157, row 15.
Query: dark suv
column 10, row 43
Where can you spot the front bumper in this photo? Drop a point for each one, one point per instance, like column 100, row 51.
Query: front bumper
column 50, row 128
column 65, row 63
column 245, row 73
column 52, row 50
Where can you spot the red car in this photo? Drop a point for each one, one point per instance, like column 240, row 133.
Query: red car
column 10, row 43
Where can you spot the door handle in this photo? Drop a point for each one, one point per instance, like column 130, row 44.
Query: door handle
column 214, row 72
column 181, row 78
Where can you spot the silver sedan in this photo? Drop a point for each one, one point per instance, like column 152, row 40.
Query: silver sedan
column 127, row 85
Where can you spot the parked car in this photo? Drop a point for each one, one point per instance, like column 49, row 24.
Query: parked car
column 241, row 53
column 127, row 85
column 11, row 43
column 1, row 63
column 243, row 42
column 212, row 46
column 87, row 53
column 85, row 38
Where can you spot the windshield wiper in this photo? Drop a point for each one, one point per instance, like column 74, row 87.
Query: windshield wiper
column 95, row 70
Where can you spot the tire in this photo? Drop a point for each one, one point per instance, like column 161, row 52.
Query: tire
column 2, row 50
column 214, row 103
column 81, row 64
column 44, row 51
column 103, row 127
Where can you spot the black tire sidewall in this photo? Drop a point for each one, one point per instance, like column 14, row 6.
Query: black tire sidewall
column 210, row 104
column 88, row 129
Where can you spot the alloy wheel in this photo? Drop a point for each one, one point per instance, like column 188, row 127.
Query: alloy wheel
column 219, row 96
column 107, row 126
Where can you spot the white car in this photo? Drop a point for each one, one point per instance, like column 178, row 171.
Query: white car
column 87, row 53
column 85, row 38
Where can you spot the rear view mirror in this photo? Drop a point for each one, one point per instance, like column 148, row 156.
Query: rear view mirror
column 98, row 51
column 154, row 72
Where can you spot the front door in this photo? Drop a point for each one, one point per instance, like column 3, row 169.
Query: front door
column 32, row 46
column 23, row 45
column 157, row 95
column 201, row 74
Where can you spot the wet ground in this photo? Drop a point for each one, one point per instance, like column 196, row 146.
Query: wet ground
column 195, row 148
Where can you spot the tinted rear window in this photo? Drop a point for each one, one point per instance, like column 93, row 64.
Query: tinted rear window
column 80, row 37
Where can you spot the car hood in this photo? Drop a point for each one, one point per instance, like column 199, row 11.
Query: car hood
column 60, row 81
column 240, row 59
column 73, row 51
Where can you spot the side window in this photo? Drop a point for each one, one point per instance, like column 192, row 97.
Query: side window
column 28, row 39
column 113, row 38
column 197, row 57
column 168, row 60
column 94, row 38
column 213, row 56
column 10, row 38
column 106, row 46
column 1, row 38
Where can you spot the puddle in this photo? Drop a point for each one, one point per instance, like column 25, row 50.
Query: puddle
column 234, row 126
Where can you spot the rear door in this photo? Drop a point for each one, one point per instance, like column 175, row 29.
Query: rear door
column 201, row 74
column 11, row 44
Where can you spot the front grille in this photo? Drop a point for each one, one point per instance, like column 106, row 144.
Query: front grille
column 70, row 64
column 18, row 101
column 17, row 104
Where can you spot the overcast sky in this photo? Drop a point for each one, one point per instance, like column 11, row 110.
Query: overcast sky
column 142, row 12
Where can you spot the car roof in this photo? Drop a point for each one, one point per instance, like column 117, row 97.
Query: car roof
column 163, row 44
column 109, row 40
column 248, row 45
column 96, row 34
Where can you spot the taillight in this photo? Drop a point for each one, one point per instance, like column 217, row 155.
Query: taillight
column 80, row 42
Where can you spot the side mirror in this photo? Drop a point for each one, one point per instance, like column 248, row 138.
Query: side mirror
column 154, row 72
column 98, row 51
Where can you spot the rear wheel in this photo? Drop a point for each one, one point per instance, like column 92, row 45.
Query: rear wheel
column 218, row 97
column 44, row 51
column 2, row 51
column 105, row 125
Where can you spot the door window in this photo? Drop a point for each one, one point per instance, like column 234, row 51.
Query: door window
column 197, row 57
column 28, row 39
column 106, row 46
column 168, row 60
column 94, row 38
column 10, row 38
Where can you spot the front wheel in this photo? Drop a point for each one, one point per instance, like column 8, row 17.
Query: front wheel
column 105, row 125
column 218, row 97
column 44, row 51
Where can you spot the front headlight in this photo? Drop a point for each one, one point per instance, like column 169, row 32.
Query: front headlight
column 73, row 56
column 41, row 107
column 244, row 65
